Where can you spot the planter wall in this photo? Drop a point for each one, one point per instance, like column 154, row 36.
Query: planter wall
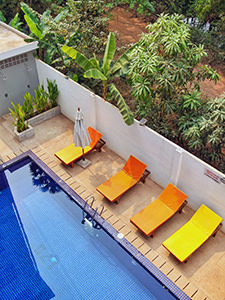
column 21, row 136
column 45, row 116
column 26, row 134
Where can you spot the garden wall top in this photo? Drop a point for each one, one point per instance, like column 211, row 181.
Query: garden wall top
column 12, row 42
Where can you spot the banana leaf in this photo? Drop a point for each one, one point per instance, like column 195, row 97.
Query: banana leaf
column 33, row 27
column 14, row 20
column 123, row 107
column 109, row 53
column 95, row 62
column 82, row 61
column 61, row 15
column 2, row 18
column 96, row 74
column 121, row 65
column 27, row 10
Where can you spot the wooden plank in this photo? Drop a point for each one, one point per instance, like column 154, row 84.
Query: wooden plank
column 151, row 255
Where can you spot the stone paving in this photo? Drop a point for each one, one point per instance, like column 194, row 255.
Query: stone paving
column 202, row 277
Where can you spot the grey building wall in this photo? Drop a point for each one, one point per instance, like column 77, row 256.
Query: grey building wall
column 18, row 75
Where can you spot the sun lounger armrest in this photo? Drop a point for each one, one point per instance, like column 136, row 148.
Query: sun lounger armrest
column 144, row 176
column 99, row 145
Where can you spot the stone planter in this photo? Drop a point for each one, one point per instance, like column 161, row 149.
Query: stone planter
column 26, row 134
column 48, row 114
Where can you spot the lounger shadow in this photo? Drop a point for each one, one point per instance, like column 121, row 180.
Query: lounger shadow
column 160, row 210
column 186, row 240
column 133, row 171
column 70, row 154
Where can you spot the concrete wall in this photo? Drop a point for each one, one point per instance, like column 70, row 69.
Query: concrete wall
column 71, row 95
column 166, row 161
column 18, row 76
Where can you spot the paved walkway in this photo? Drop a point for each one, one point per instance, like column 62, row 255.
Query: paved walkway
column 203, row 277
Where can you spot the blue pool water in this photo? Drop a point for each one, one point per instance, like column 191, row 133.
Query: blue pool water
column 47, row 253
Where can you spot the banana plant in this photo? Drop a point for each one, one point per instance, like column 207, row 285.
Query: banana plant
column 15, row 22
column 43, row 29
column 104, row 72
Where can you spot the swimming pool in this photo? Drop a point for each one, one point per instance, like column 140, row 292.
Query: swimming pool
column 48, row 250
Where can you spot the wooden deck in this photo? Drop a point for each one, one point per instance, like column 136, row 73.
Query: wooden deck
column 203, row 277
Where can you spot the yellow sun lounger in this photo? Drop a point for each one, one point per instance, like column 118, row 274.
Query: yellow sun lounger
column 160, row 210
column 70, row 154
column 193, row 234
column 116, row 186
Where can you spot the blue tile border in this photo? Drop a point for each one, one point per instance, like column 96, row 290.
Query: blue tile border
column 148, row 265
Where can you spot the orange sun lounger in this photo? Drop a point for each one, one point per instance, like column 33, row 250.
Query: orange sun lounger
column 70, row 154
column 193, row 234
column 160, row 210
column 116, row 186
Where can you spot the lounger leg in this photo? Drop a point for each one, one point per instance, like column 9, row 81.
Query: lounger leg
column 99, row 145
column 152, row 234
column 182, row 206
column 144, row 176
column 217, row 229
column 72, row 164
column 117, row 200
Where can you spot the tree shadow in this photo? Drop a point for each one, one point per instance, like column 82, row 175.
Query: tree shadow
column 41, row 180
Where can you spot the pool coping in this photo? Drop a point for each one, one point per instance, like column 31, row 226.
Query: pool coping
column 147, row 264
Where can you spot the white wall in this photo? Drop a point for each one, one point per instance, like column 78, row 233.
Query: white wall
column 166, row 161
column 71, row 95
column 20, row 77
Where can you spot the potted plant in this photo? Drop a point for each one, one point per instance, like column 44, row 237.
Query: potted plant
column 41, row 107
column 21, row 127
column 45, row 104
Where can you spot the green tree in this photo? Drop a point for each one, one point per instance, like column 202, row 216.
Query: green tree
column 209, row 10
column 105, row 72
column 211, row 27
column 206, row 136
column 165, row 66
column 184, row 7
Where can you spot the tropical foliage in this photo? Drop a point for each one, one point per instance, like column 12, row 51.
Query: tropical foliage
column 165, row 72
column 209, row 10
column 105, row 72
column 15, row 22
column 165, row 67
column 210, row 29
column 145, row 7
column 206, row 137
column 11, row 7
column 74, row 24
